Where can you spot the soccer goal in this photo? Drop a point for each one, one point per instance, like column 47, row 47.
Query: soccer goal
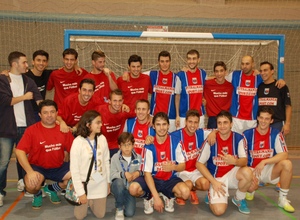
column 230, row 48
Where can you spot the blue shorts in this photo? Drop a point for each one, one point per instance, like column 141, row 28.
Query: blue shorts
column 54, row 174
column 162, row 186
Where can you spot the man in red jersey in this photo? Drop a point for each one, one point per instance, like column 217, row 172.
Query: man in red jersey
column 65, row 80
column 105, row 80
column 41, row 154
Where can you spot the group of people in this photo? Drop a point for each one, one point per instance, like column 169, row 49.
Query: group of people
column 142, row 149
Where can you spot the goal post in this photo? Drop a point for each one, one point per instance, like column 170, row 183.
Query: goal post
column 188, row 36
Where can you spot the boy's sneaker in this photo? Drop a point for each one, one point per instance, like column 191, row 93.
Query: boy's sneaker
column 242, row 205
column 148, row 206
column 53, row 195
column 169, row 204
column 285, row 204
column 20, row 185
column 250, row 196
column 37, row 202
column 1, row 200
column 119, row 215
column 194, row 198
column 206, row 200
column 180, row 201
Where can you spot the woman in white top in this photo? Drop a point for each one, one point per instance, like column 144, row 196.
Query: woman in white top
column 90, row 142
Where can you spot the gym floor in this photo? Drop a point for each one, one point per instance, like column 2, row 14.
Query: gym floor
column 264, row 205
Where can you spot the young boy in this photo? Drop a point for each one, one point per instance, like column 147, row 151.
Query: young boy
column 125, row 166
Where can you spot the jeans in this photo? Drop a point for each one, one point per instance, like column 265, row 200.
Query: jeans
column 123, row 198
column 6, row 148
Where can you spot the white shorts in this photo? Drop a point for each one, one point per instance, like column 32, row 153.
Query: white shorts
column 192, row 176
column 172, row 125
column 231, row 183
column 266, row 175
column 240, row 125
column 201, row 123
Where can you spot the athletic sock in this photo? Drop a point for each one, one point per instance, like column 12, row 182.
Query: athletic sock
column 283, row 192
column 240, row 195
column 38, row 194
column 54, row 187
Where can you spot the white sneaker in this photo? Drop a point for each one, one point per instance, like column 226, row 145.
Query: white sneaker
column 169, row 204
column 1, row 200
column 285, row 204
column 29, row 195
column 20, row 185
column 119, row 215
column 148, row 206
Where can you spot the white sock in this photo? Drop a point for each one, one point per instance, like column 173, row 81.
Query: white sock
column 283, row 192
column 240, row 195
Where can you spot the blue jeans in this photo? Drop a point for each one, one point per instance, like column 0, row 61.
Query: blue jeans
column 6, row 148
column 123, row 198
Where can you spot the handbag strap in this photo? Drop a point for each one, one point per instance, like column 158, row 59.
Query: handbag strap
column 91, row 164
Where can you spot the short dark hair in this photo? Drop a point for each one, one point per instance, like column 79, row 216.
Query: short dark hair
column 192, row 112
column 220, row 63
column 193, row 51
column 70, row 51
column 87, row 118
column 265, row 109
column 40, row 53
column 143, row 101
column 268, row 63
column 47, row 102
column 97, row 54
column 226, row 114
column 88, row 81
column 135, row 58
column 115, row 92
column 14, row 57
column 162, row 115
column 164, row 53
column 124, row 137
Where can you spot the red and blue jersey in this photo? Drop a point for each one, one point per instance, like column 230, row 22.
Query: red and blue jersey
column 244, row 103
column 163, row 94
column 190, row 87
column 265, row 146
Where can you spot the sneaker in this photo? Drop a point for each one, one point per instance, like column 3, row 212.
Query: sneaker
column 1, row 200
column 206, row 200
column 250, row 196
column 242, row 205
column 119, row 215
column 285, row 204
column 148, row 206
column 27, row 194
column 169, row 204
column 180, row 201
column 37, row 202
column 20, row 185
column 277, row 187
column 194, row 198
column 63, row 192
column 53, row 195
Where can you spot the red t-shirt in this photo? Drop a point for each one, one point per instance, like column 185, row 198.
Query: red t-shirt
column 102, row 88
column 71, row 110
column 218, row 96
column 45, row 146
column 112, row 125
column 64, row 83
column 135, row 89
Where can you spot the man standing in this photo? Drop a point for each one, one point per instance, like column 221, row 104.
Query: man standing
column 189, row 89
column 16, row 93
column 268, row 157
column 163, row 84
column 65, row 80
column 277, row 99
column 225, row 166
column 137, row 86
column 41, row 154
column 105, row 80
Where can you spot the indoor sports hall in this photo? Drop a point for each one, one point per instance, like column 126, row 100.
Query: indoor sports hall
column 221, row 30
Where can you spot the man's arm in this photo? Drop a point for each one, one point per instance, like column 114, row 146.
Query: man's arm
column 112, row 83
column 26, row 96
column 287, row 124
column 63, row 126
column 177, row 102
column 273, row 160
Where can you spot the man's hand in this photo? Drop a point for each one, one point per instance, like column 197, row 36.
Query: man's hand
column 259, row 167
column 228, row 158
column 106, row 71
column 167, row 166
column 149, row 139
column 128, row 176
column 126, row 77
column 125, row 108
column 158, row 204
column 33, row 179
column 280, row 83
column 28, row 96
column 286, row 129
column 5, row 72
column 83, row 199
column 219, row 188
column 177, row 122
column 212, row 138
column 64, row 127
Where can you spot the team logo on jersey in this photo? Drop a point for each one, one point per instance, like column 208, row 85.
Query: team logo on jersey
column 163, row 155
column 140, row 133
column 248, row 82
column 191, row 145
column 266, row 91
column 164, row 80
column 105, row 99
column 261, row 144
column 194, row 80
column 225, row 150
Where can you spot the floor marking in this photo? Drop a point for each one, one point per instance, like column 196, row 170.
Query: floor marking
column 6, row 213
